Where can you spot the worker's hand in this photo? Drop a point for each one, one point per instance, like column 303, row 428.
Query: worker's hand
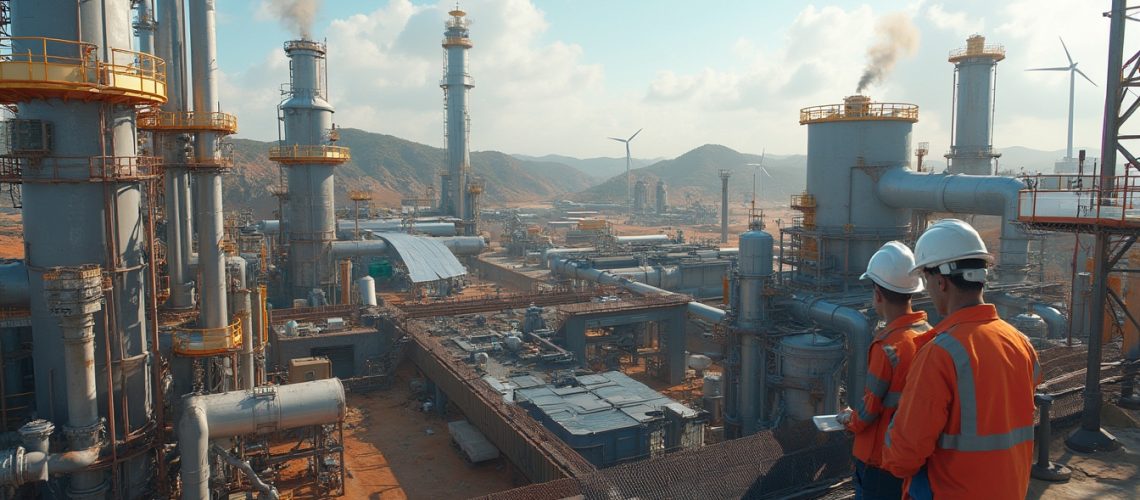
column 844, row 417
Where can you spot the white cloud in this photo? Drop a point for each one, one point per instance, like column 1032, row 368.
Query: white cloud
column 957, row 22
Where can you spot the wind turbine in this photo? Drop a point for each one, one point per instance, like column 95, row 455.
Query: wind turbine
column 628, row 163
column 1072, row 69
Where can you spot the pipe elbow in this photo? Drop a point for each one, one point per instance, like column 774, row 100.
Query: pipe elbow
column 1054, row 319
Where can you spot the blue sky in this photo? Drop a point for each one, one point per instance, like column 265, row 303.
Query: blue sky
column 558, row 76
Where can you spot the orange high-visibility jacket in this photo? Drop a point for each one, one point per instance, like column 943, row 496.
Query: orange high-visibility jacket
column 888, row 361
column 966, row 413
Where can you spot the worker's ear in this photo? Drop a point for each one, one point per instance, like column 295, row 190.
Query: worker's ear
column 878, row 294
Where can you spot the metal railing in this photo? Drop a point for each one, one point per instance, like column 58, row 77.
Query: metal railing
column 208, row 341
column 68, row 65
column 309, row 154
column 1080, row 199
column 862, row 111
column 189, row 120
column 987, row 50
column 306, row 45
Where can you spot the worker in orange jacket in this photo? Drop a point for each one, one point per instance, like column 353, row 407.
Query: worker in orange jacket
column 964, row 426
column 888, row 360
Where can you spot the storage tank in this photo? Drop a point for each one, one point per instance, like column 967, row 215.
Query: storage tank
column 1031, row 325
column 810, row 360
column 755, row 266
column 849, row 145
column 367, row 287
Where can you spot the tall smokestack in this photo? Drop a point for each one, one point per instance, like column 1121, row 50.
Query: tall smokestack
column 724, row 175
column 456, row 83
column 309, row 154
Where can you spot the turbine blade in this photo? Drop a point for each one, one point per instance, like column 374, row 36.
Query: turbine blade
column 1070, row 58
column 1082, row 73
column 635, row 134
column 616, row 139
column 1048, row 69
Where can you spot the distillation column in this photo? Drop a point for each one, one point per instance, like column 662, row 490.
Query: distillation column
column 309, row 157
column 456, row 83
column 975, row 68
column 82, row 195
column 172, row 141
column 207, row 152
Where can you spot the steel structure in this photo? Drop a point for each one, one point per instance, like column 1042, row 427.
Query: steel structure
column 975, row 71
column 308, row 153
column 456, row 82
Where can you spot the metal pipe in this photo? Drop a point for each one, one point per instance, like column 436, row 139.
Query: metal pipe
column 262, row 410
column 846, row 320
column 456, row 82
column 243, row 466
column 346, row 281
column 211, row 259
column 248, row 338
column 570, row 269
column 970, row 194
column 74, row 295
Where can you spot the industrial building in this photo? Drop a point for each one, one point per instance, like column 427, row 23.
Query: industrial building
column 164, row 346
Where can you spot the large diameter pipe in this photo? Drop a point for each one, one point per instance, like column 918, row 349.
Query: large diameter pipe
column 846, row 320
column 260, row 411
column 969, row 194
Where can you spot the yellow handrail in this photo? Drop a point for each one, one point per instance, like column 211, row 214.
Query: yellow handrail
column 208, row 341
column 864, row 111
column 71, row 66
column 318, row 153
column 190, row 120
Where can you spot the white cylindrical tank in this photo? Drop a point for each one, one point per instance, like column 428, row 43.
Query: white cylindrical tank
column 514, row 343
column 367, row 287
column 481, row 358
column 291, row 328
column 809, row 360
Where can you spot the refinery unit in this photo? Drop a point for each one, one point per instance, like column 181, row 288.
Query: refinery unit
column 209, row 353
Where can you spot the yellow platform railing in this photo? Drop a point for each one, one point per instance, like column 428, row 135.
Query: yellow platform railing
column 40, row 67
column 208, row 341
column 189, row 121
column 309, row 154
column 862, row 112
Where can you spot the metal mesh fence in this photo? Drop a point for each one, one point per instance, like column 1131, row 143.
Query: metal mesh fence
column 796, row 461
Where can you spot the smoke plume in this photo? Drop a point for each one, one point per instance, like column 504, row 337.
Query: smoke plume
column 298, row 15
column 896, row 36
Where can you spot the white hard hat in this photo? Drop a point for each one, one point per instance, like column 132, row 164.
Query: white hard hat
column 890, row 268
column 948, row 241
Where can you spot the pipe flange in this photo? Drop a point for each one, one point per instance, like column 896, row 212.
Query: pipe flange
column 11, row 464
column 85, row 437
column 35, row 434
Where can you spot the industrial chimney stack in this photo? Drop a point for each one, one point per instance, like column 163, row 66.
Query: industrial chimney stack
column 975, row 67
column 456, row 82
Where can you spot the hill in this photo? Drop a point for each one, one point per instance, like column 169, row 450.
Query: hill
column 392, row 168
column 599, row 168
column 697, row 174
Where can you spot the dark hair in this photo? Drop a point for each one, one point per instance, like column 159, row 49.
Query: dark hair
column 893, row 297
column 957, row 280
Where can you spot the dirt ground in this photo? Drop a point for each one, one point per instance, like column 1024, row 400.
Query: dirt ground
column 1107, row 475
column 391, row 454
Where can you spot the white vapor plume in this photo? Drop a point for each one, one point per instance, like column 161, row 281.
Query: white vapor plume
column 298, row 15
column 896, row 37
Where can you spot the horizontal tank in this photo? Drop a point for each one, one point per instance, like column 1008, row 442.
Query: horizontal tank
column 849, row 144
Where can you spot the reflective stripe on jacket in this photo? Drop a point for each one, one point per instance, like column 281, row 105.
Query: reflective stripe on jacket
column 967, row 409
column 888, row 361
